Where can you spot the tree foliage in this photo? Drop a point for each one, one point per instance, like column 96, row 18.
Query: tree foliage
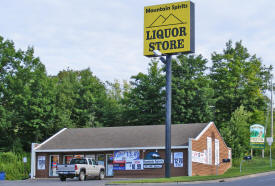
column 34, row 105
column 238, row 79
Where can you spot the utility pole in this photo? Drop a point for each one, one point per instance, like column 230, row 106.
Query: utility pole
column 271, row 107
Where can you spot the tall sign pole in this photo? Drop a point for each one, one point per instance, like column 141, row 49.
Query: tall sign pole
column 169, row 29
column 168, row 115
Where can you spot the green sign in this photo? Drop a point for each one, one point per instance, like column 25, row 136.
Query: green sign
column 257, row 135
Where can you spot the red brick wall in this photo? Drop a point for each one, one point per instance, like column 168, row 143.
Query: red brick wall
column 201, row 144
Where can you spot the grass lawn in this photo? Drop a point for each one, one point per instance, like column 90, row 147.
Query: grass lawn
column 257, row 165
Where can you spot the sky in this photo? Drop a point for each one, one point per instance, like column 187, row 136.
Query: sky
column 107, row 35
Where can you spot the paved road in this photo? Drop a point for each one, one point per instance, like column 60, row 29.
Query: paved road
column 266, row 179
column 54, row 182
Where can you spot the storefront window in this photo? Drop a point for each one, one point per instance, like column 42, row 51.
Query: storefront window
column 100, row 159
column 67, row 159
column 54, row 160
column 90, row 156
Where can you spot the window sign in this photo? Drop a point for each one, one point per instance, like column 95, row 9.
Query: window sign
column 126, row 155
column 134, row 165
column 217, row 152
column 178, row 159
column 119, row 165
column 41, row 161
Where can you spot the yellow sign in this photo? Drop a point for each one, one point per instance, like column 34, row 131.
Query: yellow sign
column 169, row 28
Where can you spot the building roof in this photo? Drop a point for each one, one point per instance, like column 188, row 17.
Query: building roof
column 121, row 137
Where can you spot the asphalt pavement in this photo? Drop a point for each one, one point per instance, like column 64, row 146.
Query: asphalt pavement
column 263, row 179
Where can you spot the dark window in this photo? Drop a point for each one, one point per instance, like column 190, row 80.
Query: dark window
column 78, row 161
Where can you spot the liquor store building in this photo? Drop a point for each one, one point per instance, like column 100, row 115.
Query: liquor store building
column 136, row 151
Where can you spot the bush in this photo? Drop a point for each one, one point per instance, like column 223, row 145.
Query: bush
column 12, row 164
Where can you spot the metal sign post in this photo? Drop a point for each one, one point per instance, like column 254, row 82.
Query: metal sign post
column 270, row 141
column 168, row 116
column 169, row 29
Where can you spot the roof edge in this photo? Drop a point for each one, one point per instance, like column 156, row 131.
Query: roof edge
column 56, row 134
column 204, row 130
column 109, row 149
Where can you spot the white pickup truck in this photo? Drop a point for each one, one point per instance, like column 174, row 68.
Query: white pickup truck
column 81, row 168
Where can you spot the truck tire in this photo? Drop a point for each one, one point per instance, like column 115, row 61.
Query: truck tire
column 82, row 176
column 62, row 178
column 101, row 175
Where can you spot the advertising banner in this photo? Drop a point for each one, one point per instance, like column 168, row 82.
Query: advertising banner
column 134, row 165
column 126, row 155
column 257, row 136
column 41, row 161
column 198, row 157
column 169, row 28
column 178, row 159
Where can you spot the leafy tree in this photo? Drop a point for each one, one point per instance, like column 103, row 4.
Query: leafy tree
column 25, row 97
column 192, row 95
column 145, row 102
column 236, row 132
column 238, row 79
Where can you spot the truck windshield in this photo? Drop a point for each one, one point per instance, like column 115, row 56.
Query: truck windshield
column 78, row 161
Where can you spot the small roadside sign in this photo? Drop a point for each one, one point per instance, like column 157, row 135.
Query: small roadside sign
column 269, row 140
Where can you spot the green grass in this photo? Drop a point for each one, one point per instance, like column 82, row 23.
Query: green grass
column 13, row 166
column 257, row 165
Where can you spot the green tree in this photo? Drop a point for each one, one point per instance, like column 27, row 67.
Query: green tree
column 238, row 79
column 192, row 95
column 145, row 101
column 26, row 101
column 236, row 132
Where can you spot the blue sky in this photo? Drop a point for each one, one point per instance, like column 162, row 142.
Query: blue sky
column 107, row 35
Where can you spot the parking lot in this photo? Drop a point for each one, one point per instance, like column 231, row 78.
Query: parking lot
column 55, row 182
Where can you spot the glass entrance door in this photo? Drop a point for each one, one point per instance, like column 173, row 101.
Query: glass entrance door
column 54, row 160
column 109, row 165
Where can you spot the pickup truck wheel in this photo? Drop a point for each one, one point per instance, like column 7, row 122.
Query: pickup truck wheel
column 82, row 176
column 101, row 175
column 62, row 178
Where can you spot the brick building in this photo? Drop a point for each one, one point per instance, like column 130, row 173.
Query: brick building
column 136, row 151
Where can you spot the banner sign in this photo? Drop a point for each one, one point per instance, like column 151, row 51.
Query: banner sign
column 257, row 136
column 118, row 165
column 126, row 155
column 153, row 162
column 152, row 166
column 178, row 159
column 41, row 162
column 134, row 165
column 198, row 157
column 169, row 28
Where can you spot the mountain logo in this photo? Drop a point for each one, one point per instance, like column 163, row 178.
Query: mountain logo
column 162, row 21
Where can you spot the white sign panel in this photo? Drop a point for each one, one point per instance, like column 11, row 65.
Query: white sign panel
column 217, row 152
column 152, row 166
column 155, row 161
column 41, row 161
column 269, row 140
column 127, row 155
column 198, row 157
column 134, row 165
column 178, row 159
column 209, row 151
